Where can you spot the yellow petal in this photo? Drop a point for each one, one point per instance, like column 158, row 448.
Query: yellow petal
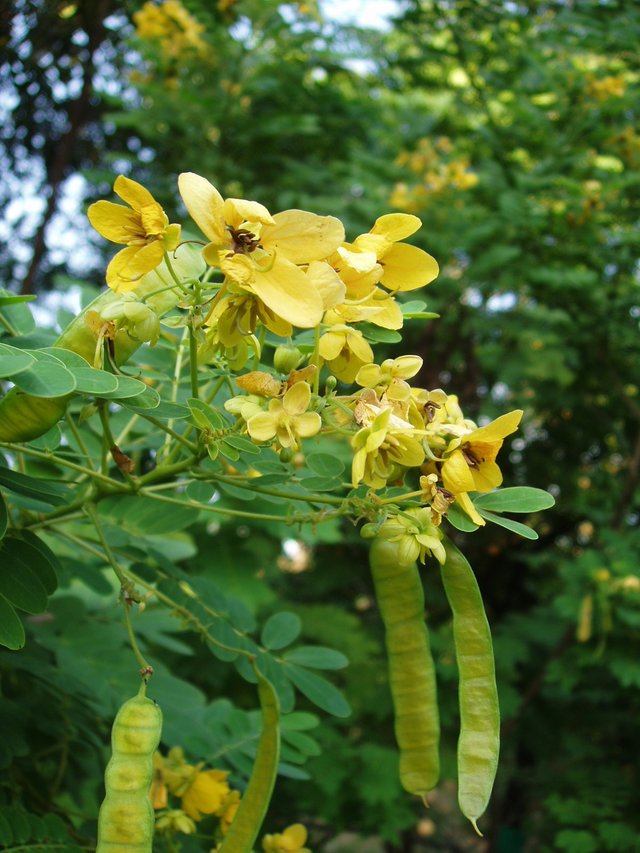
column 113, row 221
column 133, row 193
column 396, row 226
column 373, row 243
column 406, row 366
column 327, row 282
column 456, row 475
column 302, row 237
column 369, row 375
column 331, row 345
column 360, row 262
column 238, row 267
column 359, row 346
column 296, row 833
column 407, row 267
column 128, row 266
column 308, row 424
column 262, row 426
column 285, row 290
column 486, row 477
column 296, row 400
column 498, row 429
column 172, row 237
column 205, row 206
column 239, row 210
column 466, row 504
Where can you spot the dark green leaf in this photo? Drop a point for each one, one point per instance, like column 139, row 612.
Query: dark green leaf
column 325, row 465
column 4, row 516
column 21, row 553
column 14, row 360
column 11, row 628
column 513, row 526
column 48, row 377
column 316, row 657
column 41, row 490
column 20, row 585
column 280, row 630
column 460, row 520
column 319, row 691
column 515, row 499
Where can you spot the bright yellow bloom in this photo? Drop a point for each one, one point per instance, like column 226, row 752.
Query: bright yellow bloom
column 345, row 350
column 143, row 227
column 289, row 841
column 171, row 25
column 287, row 419
column 228, row 811
column 405, row 267
column 416, row 535
column 378, row 307
column 262, row 254
column 206, row 793
column 469, row 464
column 381, row 449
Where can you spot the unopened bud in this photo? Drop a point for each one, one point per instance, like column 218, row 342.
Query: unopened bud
column 286, row 359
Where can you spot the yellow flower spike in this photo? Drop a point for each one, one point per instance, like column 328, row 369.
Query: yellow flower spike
column 289, row 841
column 206, row 793
column 143, row 227
column 390, row 376
column 345, row 350
column 383, row 444
column 287, row 419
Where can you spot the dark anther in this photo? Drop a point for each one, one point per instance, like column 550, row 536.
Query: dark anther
column 470, row 458
column 244, row 241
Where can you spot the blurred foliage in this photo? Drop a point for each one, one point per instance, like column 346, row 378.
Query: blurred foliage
column 511, row 130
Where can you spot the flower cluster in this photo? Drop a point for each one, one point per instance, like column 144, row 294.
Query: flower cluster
column 171, row 25
column 263, row 278
column 438, row 170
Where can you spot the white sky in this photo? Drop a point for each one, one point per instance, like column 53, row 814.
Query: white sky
column 366, row 13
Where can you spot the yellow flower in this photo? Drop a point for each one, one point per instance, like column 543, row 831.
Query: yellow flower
column 405, row 267
column 260, row 253
column 288, row 419
column 228, row 811
column 390, row 376
column 289, row 841
column 206, row 793
column 381, row 448
column 175, row 820
column 345, row 350
column 469, row 464
column 143, row 227
column 416, row 535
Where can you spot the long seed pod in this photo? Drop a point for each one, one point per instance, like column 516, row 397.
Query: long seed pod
column 24, row 417
column 412, row 680
column 479, row 743
column 126, row 819
column 255, row 801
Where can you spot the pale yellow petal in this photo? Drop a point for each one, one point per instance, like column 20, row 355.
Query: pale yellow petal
column 407, row 267
column 302, row 237
column 498, row 429
column 327, row 282
column 360, row 347
column 113, row 221
column 406, row 366
column 286, row 291
column 456, row 475
column 205, row 206
column 396, row 226
column 369, row 375
column 262, row 426
column 238, row 267
column 296, row 400
column 133, row 193
column 374, row 244
column 239, row 210
column 359, row 262
column 308, row 424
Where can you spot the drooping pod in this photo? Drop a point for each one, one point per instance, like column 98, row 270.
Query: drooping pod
column 126, row 819
column 479, row 742
column 400, row 598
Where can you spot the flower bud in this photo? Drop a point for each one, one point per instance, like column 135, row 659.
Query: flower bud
column 287, row 358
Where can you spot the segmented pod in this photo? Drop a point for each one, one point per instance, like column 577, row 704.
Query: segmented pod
column 479, row 743
column 255, row 801
column 126, row 819
column 400, row 598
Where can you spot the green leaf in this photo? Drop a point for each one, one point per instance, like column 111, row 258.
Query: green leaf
column 40, row 490
column 204, row 415
column 515, row 499
column 148, row 401
column 31, row 539
column 144, row 515
column 244, row 445
column 280, row 630
column 319, row 691
column 48, row 377
column 11, row 628
column 20, row 585
column 316, row 657
column 4, row 516
column 15, row 300
column 325, row 465
column 513, row 526
column 460, row 520
column 25, row 555
column 14, row 360
column 127, row 387
column 49, row 441
column 379, row 335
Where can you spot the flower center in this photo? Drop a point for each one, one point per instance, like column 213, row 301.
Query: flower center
column 244, row 241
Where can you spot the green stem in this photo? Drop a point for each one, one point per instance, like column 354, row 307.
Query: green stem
column 193, row 362
column 145, row 668
column 170, row 432
column 58, row 460
column 106, row 428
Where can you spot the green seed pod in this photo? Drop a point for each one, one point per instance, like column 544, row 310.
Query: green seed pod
column 479, row 743
column 400, row 598
column 126, row 819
